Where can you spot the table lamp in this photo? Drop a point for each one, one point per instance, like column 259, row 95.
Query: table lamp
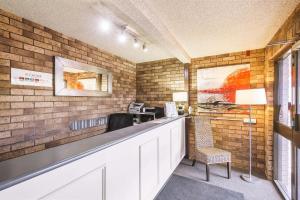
column 250, row 97
column 180, row 97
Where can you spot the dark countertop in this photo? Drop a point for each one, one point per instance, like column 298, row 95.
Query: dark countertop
column 19, row 169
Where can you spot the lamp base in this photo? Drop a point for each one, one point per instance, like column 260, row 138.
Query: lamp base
column 180, row 109
column 180, row 112
column 247, row 178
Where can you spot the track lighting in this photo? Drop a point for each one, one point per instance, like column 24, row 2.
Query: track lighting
column 125, row 33
column 105, row 25
column 145, row 49
column 122, row 37
column 136, row 43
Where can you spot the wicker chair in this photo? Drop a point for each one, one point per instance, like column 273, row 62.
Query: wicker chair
column 205, row 151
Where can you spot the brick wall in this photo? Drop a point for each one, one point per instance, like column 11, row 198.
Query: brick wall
column 288, row 31
column 230, row 133
column 157, row 80
column 32, row 118
column 262, row 75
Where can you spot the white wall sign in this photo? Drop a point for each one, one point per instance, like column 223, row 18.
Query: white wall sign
column 32, row 78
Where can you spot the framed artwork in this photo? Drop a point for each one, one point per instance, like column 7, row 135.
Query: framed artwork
column 73, row 78
column 216, row 87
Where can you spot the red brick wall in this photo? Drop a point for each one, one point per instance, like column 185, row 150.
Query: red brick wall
column 32, row 118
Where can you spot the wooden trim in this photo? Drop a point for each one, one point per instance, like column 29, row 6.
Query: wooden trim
column 296, row 139
column 281, row 51
column 275, row 92
column 283, row 130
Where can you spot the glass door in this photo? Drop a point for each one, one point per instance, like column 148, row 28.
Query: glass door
column 283, row 125
column 298, row 174
column 287, row 125
column 296, row 130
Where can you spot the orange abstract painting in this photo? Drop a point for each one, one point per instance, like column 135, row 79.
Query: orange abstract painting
column 217, row 86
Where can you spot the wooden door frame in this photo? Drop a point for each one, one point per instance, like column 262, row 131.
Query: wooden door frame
column 288, row 132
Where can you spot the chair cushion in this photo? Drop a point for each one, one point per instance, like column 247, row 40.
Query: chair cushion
column 211, row 155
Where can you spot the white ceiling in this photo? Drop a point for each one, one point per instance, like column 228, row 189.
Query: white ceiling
column 211, row 27
column 80, row 19
column 173, row 28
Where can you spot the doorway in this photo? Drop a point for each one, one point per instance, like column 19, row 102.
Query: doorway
column 287, row 125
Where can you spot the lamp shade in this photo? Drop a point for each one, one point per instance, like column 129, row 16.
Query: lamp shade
column 251, row 97
column 180, row 96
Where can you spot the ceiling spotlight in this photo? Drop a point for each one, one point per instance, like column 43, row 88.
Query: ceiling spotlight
column 136, row 44
column 105, row 25
column 145, row 49
column 122, row 37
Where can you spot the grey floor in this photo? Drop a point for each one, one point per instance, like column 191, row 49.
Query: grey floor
column 260, row 190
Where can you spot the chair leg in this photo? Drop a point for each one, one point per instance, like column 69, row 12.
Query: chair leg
column 207, row 172
column 229, row 170
column 194, row 162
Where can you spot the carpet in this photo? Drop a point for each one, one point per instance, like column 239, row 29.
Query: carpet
column 182, row 188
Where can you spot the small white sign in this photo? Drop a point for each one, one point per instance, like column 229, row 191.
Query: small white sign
column 32, row 78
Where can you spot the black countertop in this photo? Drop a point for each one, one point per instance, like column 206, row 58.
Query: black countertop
column 19, row 169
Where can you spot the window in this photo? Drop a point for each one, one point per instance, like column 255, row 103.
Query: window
column 284, row 164
column 285, row 90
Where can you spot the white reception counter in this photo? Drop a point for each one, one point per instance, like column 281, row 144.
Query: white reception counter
column 132, row 163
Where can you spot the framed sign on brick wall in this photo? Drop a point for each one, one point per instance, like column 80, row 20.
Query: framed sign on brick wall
column 30, row 78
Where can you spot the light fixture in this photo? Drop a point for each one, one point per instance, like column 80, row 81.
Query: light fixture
column 136, row 44
column 126, row 32
column 145, row 49
column 250, row 97
column 122, row 37
column 105, row 25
